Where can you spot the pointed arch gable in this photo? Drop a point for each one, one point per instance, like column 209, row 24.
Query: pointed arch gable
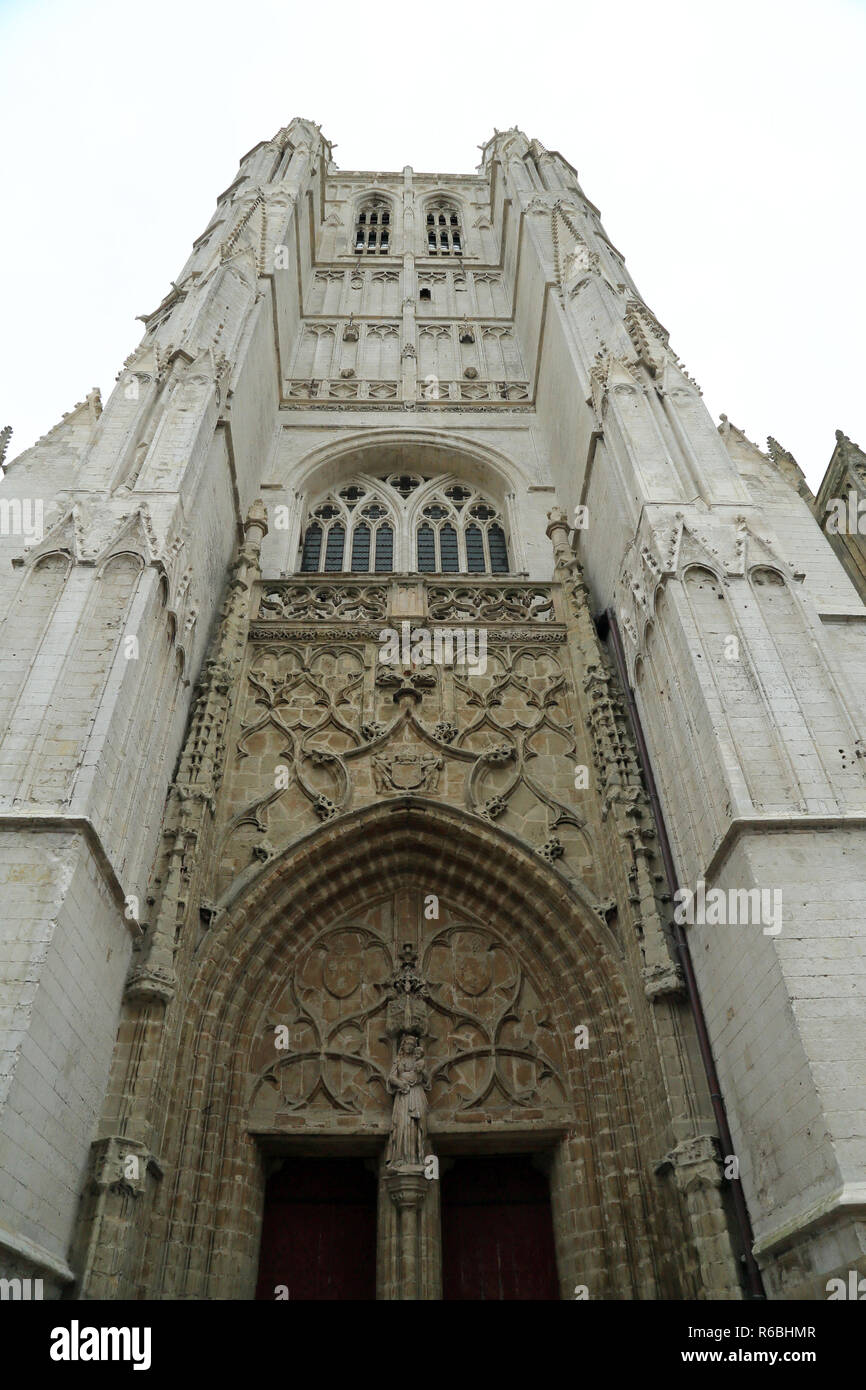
column 371, row 194
column 484, row 465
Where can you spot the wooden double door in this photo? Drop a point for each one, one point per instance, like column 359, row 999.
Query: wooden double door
column 319, row 1230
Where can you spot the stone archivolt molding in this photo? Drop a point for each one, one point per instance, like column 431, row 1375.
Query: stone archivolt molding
column 295, row 1012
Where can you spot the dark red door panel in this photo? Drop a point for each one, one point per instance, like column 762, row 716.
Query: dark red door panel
column 319, row 1231
column 497, row 1231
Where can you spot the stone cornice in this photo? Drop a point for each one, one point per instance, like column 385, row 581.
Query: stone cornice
column 37, row 1255
column 82, row 825
column 795, row 824
column 851, row 1195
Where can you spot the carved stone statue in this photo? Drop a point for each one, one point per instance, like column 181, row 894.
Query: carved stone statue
column 407, row 992
column 408, row 1082
column 406, row 978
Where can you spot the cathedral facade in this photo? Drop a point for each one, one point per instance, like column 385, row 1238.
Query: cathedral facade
column 433, row 784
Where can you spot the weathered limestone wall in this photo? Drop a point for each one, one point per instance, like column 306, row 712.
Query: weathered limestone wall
column 66, row 951
column 756, row 742
column 109, row 606
column 788, row 1015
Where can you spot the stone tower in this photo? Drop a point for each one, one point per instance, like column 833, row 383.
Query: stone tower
column 382, row 670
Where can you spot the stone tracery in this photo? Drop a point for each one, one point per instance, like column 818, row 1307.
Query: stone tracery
column 404, row 523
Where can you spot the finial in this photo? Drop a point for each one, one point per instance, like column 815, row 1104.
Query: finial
column 257, row 516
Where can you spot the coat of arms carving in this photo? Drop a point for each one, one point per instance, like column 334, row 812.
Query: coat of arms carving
column 407, row 772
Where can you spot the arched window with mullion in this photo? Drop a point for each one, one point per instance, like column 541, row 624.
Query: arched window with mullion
column 361, row 548
column 384, row 548
column 444, row 237
column 351, row 530
column 312, row 549
column 373, row 228
column 426, row 548
column 457, row 531
column 449, row 558
column 475, row 562
column 498, row 549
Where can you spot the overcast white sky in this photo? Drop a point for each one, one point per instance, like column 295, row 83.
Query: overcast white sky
column 724, row 145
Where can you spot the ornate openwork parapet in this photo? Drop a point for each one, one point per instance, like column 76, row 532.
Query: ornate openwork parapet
column 364, row 601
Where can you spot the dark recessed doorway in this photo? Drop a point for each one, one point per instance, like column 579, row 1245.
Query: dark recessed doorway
column 319, row 1231
column 497, row 1230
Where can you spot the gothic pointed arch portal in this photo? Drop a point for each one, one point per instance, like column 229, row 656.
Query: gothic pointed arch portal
column 296, row 1015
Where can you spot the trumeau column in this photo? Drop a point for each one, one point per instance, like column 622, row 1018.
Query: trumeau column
column 408, row 1192
column 406, row 1153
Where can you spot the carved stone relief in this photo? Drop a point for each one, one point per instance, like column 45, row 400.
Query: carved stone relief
column 481, row 603
column 300, row 602
column 325, row 725
column 458, row 1020
column 407, row 772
